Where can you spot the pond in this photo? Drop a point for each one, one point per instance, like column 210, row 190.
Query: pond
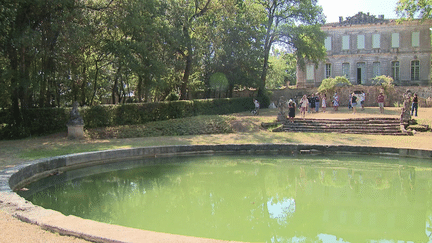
column 258, row 198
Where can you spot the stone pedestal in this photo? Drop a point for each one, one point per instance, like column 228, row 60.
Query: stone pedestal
column 75, row 131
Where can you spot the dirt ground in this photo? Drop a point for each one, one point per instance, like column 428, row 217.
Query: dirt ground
column 13, row 230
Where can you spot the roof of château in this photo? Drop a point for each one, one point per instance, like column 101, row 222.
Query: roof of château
column 361, row 18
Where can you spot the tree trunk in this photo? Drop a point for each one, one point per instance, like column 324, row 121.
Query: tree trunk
column 83, row 86
column 140, row 88
column 188, row 65
column 185, row 80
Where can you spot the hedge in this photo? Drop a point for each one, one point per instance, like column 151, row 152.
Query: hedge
column 40, row 121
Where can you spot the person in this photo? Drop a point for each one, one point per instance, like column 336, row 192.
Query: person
column 257, row 106
column 317, row 103
column 362, row 99
column 380, row 100
column 291, row 110
column 354, row 102
column 311, row 101
column 324, row 102
column 335, row 101
column 304, row 103
column 349, row 101
column 414, row 105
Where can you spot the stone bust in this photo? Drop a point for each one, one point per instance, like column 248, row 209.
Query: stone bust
column 75, row 117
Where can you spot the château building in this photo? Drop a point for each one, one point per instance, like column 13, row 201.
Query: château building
column 364, row 46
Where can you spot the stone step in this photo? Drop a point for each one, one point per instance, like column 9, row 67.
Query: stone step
column 394, row 133
column 345, row 127
column 382, row 126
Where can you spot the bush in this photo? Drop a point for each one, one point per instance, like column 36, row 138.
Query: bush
column 47, row 120
column 178, row 127
column 98, row 116
column 35, row 122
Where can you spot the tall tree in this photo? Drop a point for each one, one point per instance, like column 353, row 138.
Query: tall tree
column 186, row 16
column 295, row 25
column 235, row 47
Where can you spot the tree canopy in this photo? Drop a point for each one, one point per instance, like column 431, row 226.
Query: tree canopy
column 410, row 9
column 53, row 53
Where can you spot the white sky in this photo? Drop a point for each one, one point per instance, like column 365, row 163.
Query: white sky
column 334, row 8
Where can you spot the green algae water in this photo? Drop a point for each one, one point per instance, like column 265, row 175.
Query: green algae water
column 253, row 198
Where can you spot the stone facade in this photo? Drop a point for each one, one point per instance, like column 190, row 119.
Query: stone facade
column 364, row 46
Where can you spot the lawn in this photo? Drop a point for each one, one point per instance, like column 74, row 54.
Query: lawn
column 242, row 128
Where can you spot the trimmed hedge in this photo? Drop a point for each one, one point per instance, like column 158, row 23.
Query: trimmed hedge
column 40, row 121
column 35, row 121
column 134, row 114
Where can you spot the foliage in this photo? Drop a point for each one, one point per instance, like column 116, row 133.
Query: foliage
column 296, row 26
column 53, row 53
column 329, row 85
column 410, row 9
column 36, row 122
column 386, row 83
column 178, row 127
column 280, row 70
column 173, row 96
column 218, row 82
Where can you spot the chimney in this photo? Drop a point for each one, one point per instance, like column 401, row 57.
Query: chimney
column 340, row 19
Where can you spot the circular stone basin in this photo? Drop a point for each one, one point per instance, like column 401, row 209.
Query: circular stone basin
column 253, row 197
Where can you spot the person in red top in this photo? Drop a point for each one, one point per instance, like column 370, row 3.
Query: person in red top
column 380, row 100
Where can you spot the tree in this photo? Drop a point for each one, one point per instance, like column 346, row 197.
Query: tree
column 186, row 17
column 234, row 46
column 329, row 85
column 296, row 25
column 218, row 82
column 282, row 70
column 409, row 9
column 384, row 82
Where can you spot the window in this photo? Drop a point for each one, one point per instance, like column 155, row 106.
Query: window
column 415, row 39
column 327, row 70
column 395, row 40
column 360, row 42
column 361, row 73
column 310, row 73
column 346, row 70
column 345, row 42
column 415, row 70
column 328, row 43
column 376, row 40
column 395, row 70
column 376, row 66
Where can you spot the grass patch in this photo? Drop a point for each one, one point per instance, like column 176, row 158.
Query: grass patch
column 198, row 125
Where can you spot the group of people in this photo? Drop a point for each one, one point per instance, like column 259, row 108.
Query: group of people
column 313, row 102
column 356, row 100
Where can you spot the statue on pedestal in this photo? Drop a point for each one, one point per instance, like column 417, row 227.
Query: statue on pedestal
column 75, row 117
column 405, row 117
column 76, row 123
column 281, row 117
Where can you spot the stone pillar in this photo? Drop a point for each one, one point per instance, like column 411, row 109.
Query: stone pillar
column 75, row 124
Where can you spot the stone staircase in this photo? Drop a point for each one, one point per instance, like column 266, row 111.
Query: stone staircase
column 377, row 126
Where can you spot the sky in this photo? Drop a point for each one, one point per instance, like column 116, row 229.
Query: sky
column 334, row 8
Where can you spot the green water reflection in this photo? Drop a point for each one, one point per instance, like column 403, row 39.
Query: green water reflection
column 257, row 198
